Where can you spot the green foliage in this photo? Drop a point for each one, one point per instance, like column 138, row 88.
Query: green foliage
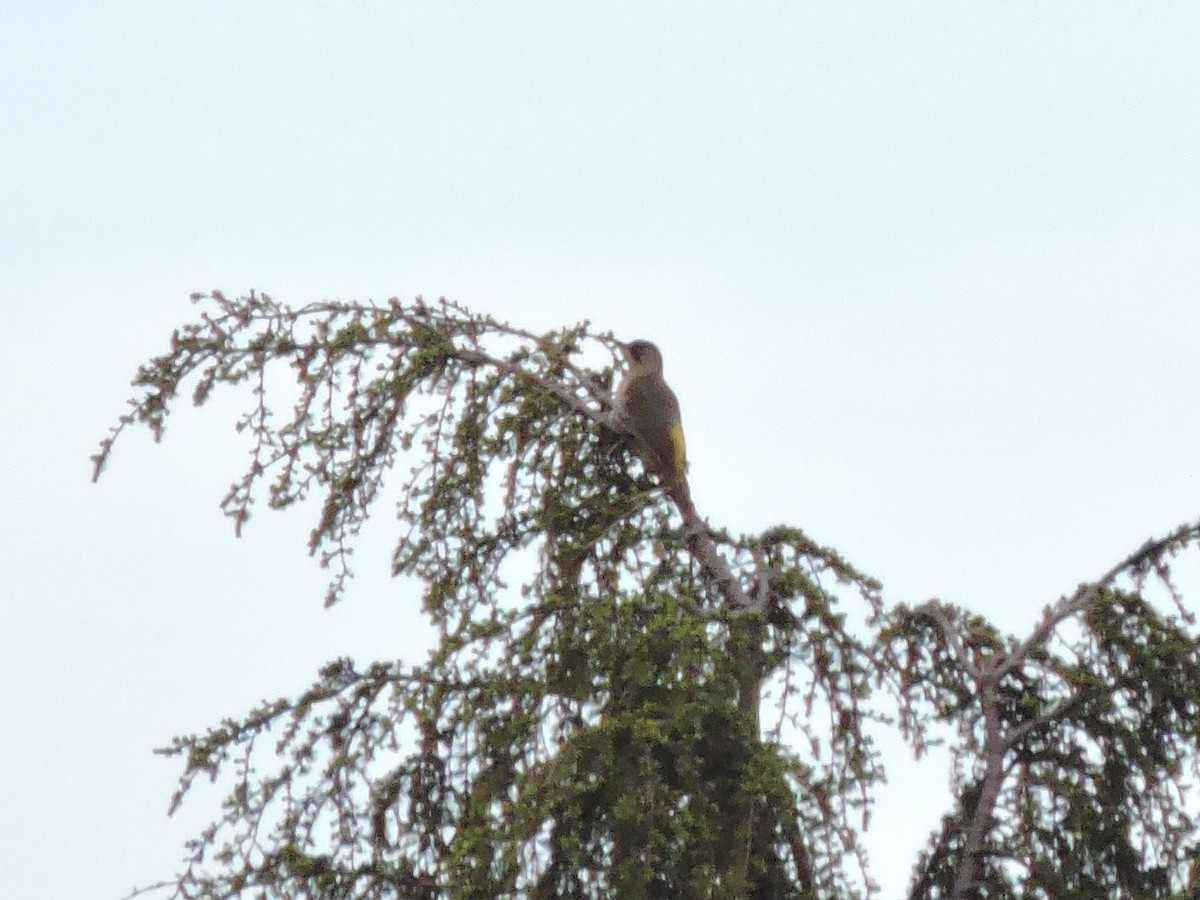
column 1087, row 746
column 588, row 722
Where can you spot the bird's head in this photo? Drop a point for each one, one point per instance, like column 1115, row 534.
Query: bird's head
column 643, row 356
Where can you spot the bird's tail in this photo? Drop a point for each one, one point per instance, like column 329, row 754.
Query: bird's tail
column 682, row 495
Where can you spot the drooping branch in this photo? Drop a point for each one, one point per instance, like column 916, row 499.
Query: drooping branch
column 420, row 348
column 1021, row 694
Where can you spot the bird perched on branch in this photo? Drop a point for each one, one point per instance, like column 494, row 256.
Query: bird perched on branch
column 646, row 408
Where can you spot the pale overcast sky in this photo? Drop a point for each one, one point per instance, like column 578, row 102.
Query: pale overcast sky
column 926, row 277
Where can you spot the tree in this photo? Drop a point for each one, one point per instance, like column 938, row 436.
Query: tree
column 589, row 722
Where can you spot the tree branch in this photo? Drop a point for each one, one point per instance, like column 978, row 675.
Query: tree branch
column 997, row 743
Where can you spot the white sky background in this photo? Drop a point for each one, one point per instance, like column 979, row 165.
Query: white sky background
column 926, row 279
